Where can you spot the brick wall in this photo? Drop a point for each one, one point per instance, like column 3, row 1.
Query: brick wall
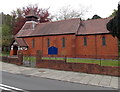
column 95, row 49
column 74, row 46
column 79, row 67
column 41, row 44
column 14, row 60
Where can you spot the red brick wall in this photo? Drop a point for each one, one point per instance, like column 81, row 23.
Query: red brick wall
column 11, row 52
column 37, row 46
column 41, row 44
column 111, row 48
column 94, row 46
column 85, row 50
column 75, row 46
column 13, row 60
column 79, row 67
column 57, row 42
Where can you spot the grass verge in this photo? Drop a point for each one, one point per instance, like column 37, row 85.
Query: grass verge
column 102, row 62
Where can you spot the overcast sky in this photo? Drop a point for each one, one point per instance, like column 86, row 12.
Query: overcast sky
column 102, row 8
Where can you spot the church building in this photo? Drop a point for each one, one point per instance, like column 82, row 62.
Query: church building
column 71, row 38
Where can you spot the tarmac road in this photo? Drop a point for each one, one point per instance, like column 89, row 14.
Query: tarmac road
column 26, row 82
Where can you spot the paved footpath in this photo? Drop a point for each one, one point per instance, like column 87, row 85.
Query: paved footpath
column 77, row 77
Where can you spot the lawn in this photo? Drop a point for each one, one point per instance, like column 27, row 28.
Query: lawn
column 5, row 54
column 29, row 58
column 102, row 62
column 54, row 58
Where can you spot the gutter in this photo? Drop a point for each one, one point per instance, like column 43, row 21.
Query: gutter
column 92, row 34
column 44, row 35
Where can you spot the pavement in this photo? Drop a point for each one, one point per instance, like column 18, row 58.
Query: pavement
column 69, row 76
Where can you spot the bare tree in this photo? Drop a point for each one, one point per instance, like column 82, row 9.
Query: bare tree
column 68, row 12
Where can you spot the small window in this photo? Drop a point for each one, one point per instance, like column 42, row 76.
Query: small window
column 103, row 41
column 85, row 41
column 33, row 43
column 48, row 42
column 63, row 42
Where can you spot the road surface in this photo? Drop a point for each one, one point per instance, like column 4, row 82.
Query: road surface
column 19, row 82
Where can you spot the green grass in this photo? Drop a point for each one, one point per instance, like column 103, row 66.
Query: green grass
column 53, row 58
column 102, row 62
column 5, row 54
column 29, row 58
column 110, row 63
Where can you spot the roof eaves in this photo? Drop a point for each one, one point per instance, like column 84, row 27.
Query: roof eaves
column 44, row 35
column 92, row 34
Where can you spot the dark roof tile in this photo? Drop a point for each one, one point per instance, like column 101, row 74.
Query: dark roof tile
column 21, row 42
column 50, row 28
column 95, row 26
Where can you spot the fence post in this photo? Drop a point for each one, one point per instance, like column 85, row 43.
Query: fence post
column 118, row 65
column 100, row 62
column 65, row 59
column 20, row 58
column 38, row 56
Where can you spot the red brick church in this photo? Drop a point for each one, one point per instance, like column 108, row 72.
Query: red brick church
column 72, row 38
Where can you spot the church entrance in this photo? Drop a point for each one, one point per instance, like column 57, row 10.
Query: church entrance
column 15, row 49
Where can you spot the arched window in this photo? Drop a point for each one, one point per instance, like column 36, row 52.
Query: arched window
column 63, row 42
column 48, row 42
column 103, row 40
column 85, row 41
column 33, row 43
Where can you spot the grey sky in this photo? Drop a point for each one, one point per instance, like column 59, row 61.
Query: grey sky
column 101, row 7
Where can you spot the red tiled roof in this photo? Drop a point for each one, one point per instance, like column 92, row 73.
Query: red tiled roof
column 95, row 26
column 21, row 42
column 59, row 27
column 26, row 30
column 51, row 28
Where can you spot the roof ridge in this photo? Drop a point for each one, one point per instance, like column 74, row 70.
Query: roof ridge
column 59, row 21
column 76, row 18
column 99, row 19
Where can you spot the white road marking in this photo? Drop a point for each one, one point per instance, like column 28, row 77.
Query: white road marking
column 4, row 88
column 9, row 87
